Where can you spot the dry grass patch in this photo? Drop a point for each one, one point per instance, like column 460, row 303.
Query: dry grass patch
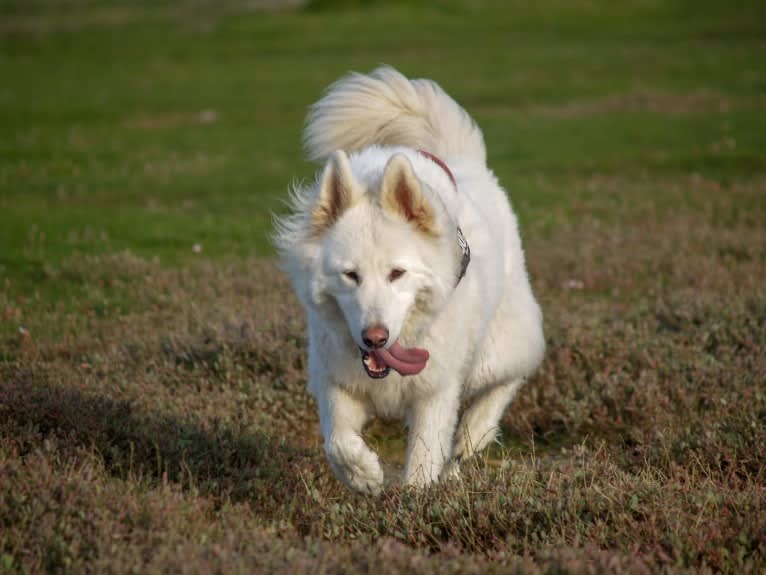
column 161, row 424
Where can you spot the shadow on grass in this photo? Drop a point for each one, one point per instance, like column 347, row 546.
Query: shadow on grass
column 212, row 459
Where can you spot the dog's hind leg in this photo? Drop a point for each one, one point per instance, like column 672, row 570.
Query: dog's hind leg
column 479, row 424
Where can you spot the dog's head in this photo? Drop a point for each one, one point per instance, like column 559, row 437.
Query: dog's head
column 385, row 254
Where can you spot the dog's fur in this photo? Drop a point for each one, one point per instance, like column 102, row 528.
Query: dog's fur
column 372, row 249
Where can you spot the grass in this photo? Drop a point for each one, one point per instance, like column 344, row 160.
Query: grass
column 153, row 416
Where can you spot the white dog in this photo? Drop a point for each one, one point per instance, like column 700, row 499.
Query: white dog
column 407, row 257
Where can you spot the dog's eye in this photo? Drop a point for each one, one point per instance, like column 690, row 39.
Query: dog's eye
column 352, row 275
column 395, row 274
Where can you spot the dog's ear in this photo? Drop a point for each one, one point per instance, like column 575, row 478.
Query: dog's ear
column 336, row 192
column 401, row 194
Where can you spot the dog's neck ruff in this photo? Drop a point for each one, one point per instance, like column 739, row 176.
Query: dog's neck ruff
column 462, row 242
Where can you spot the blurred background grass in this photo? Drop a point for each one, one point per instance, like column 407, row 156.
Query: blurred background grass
column 157, row 126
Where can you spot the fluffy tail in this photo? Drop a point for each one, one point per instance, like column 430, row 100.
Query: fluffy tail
column 385, row 108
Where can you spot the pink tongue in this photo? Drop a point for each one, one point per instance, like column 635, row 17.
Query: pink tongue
column 407, row 361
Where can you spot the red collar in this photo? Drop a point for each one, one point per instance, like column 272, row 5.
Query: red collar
column 462, row 242
column 440, row 162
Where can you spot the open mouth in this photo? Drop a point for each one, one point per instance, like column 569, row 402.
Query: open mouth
column 405, row 361
column 373, row 366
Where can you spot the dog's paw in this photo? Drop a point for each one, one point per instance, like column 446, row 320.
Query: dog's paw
column 356, row 465
column 419, row 478
column 451, row 471
column 469, row 442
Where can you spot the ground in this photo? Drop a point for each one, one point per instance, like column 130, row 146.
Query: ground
column 153, row 413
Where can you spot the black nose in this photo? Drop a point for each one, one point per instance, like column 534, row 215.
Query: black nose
column 375, row 336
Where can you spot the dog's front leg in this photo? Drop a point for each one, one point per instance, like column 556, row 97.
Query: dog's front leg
column 432, row 426
column 342, row 418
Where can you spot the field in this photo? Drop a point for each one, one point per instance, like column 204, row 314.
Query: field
column 153, row 416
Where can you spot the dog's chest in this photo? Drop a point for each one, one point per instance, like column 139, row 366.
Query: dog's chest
column 388, row 401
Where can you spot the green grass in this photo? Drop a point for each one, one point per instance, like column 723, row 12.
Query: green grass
column 151, row 129
column 153, row 416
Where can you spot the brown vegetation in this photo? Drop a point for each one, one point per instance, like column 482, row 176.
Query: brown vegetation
column 175, row 434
